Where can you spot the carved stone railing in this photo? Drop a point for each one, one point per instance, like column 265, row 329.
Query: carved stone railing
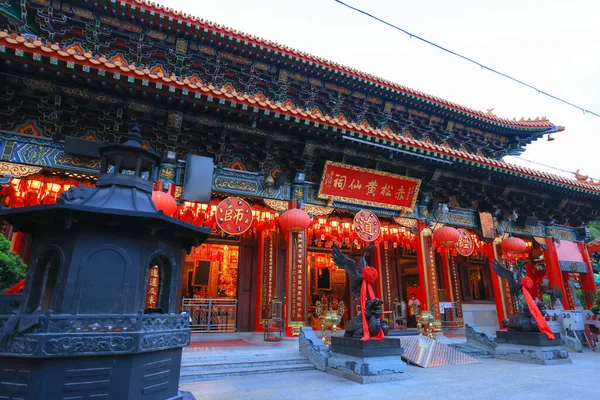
column 74, row 335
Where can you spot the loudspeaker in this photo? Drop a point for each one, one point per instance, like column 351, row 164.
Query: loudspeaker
column 197, row 183
column 279, row 178
column 82, row 147
column 526, row 221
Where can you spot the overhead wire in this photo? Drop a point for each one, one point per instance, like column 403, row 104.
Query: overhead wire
column 412, row 35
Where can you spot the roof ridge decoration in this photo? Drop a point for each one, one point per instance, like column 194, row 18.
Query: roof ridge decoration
column 22, row 43
column 184, row 19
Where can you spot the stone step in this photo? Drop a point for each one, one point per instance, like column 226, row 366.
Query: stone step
column 195, row 365
column 210, row 373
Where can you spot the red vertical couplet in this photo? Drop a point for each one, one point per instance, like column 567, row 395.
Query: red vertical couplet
column 379, row 268
column 553, row 270
column 588, row 284
column 496, row 285
column 259, row 278
column 297, row 279
column 152, row 287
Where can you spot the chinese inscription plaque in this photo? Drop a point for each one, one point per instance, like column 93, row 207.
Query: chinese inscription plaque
column 368, row 187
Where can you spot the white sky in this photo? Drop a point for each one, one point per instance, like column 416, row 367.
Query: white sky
column 550, row 44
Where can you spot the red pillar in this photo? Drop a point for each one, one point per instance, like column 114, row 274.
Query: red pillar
column 427, row 273
column 553, row 270
column 588, row 284
column 445, row 256
column 501, row 308
column 421, row 225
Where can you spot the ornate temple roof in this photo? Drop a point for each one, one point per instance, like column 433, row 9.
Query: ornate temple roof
column 130, row 73
column 154, row 15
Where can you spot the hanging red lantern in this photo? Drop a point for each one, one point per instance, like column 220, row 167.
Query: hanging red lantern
column 513, row 245
column 446, row 236
column 164, row 202
column 294, row 220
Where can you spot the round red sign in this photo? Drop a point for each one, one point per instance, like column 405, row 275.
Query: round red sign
column 366, row 226
column 234, row 216
column 465, row 245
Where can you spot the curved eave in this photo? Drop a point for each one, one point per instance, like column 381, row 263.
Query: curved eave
column 153, row 15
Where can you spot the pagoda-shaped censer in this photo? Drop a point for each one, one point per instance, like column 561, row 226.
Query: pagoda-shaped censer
column 98, row 316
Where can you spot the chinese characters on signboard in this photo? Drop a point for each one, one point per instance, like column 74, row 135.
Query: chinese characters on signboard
column 152, row 288
column 368, row 187
column 297, row 275
column 366, row 226
column 465, row 245
column 268, row 276
column 234, row 216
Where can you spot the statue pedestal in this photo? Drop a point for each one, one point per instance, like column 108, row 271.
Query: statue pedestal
column 530, row 347
column 367, row 362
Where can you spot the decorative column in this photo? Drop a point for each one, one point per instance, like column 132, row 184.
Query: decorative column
column 588, row 284
column 295, row 221
column 500, row 295
column 427, row 274
column 386, row 278
column 553, row 269
column 167, row 176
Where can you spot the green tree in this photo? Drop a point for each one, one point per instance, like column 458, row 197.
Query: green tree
column 12, row 268
column 596, row 307
column 594, row 229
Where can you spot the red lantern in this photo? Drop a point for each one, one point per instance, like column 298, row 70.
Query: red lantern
column 164, row 202
column 446, row 236
column 294, row 220
column 513, row 245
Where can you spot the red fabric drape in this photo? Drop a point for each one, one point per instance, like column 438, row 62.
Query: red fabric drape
column 533, row 308
column 369, row 276
column 16, row 289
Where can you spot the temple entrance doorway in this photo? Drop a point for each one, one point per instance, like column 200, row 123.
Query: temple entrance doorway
column 210, row 286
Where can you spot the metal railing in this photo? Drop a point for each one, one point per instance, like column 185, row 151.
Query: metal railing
column 449, row 315
column 211, row 315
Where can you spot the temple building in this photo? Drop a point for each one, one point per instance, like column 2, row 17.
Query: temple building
column 370, row 161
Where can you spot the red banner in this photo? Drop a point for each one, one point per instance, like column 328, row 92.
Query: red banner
column 368, row 187
column 152, row 288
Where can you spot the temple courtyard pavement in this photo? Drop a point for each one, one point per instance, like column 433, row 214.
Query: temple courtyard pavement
column 491, row 379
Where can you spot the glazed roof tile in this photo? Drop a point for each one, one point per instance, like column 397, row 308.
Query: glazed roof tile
column 186, row 18
column 35, row 46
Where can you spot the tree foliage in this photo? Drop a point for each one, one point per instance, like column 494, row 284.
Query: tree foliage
column 12, row 268
column 594, row 229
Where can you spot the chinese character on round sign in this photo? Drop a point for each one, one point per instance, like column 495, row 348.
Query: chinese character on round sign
column 366, row 226
column 234, row 216
column 465, row 245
